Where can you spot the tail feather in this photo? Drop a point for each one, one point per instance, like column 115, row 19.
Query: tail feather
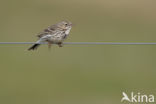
column 35, row 46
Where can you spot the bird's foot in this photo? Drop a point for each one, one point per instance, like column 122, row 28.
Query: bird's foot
column 60, row 44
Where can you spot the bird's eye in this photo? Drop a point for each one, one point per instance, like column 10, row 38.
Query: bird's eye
column 66, row 24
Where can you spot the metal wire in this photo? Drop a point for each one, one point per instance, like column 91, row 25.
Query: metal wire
column 90, row 43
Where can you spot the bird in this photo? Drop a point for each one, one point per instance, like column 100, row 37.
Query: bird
column 54, row 34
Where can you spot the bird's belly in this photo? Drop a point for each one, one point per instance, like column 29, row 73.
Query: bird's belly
column 56, row 39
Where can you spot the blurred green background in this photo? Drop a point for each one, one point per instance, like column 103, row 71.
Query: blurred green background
column 77, row 74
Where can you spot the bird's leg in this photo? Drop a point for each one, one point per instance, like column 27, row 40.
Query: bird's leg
column 60, row 44
column 49, row 44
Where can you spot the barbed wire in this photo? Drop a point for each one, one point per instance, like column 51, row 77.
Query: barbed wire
column 90, row 43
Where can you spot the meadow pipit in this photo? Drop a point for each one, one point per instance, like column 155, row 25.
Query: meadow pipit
column 54, row 34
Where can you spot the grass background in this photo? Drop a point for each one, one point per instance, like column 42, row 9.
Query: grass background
column 77, row 74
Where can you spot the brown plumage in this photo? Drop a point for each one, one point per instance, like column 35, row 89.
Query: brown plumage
column 54, row 34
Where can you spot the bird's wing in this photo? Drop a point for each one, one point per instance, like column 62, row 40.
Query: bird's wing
column 49, row 30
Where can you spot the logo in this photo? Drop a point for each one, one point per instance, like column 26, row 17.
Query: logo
column 138, row 97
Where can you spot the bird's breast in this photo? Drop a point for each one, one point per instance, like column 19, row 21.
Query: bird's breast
column 67, row 31
column 58, row 38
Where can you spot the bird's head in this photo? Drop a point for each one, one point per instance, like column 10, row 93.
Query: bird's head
column 65, row 25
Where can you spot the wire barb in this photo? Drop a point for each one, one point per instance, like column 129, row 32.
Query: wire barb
column 90, row 43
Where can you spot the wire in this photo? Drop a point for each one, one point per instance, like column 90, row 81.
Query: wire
column 89, row 43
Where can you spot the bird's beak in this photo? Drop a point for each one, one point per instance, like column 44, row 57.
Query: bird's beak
column 72, row 24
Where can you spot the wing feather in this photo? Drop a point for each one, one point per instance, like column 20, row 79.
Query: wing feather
column 50, row 30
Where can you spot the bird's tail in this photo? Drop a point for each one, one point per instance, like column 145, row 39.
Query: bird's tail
column 34, row 47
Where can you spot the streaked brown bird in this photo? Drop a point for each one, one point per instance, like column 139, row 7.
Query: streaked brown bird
column 54, row 34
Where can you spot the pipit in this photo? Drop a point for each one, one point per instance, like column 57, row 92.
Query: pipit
column 54, row 34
